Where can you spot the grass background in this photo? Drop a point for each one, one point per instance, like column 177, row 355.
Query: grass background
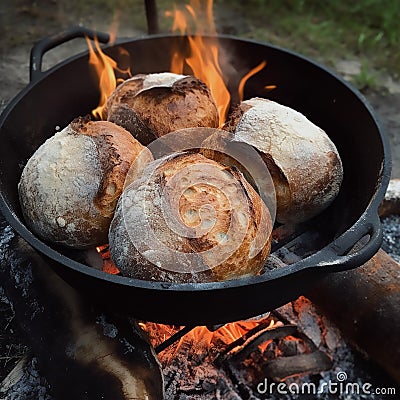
column 367, row 31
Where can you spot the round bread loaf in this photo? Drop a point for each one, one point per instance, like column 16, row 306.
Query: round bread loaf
column 70, row 186
column 153, row 105
column 190, row 219
column 304, row 163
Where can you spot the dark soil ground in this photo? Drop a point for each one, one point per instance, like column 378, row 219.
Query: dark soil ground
column 23, row 22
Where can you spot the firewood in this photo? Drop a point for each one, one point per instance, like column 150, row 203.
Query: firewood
column 365, row 305
column 82, row 352
column 284, row 367
column 240, row 353
column 391, row 203
column 14, row 376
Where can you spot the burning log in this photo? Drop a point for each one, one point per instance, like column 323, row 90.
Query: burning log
column 241, row 352
column 365, row 305
column 82, row 352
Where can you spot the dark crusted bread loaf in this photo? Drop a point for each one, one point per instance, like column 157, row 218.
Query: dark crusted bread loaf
column 150, row 106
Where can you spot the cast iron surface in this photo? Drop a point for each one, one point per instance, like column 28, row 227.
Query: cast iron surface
column 67, row 90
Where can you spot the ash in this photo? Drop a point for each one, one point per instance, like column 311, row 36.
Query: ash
column 391, row 236
column 29, row 383
column 191, row 373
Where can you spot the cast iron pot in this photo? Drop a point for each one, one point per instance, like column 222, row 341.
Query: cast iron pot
column 53, row 98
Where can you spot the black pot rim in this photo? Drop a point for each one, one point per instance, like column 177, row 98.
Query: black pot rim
column 309, row 262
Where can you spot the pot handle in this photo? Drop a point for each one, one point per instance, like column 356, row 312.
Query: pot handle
column 350, row 250
column 41, row 47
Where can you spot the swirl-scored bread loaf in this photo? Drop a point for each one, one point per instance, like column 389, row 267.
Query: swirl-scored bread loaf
column 70, row 186
column 304, row 163
column 190, row 219
column 152, row 105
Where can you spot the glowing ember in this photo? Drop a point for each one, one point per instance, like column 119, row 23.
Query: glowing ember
column 202, row 339
column 108, row 265
column 263, row 346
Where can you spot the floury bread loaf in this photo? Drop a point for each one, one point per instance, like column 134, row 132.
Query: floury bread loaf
column 70, row 186
column 150, row 106
column 190, row 219
column 304, row 163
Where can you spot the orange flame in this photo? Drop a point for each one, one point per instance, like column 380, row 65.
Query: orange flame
column 113, row 30
column 104, row 68
column 201, row 339
column 243, row 81
column 204, row 57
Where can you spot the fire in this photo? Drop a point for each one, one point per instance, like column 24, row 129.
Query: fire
column 204, row 56
column 108, row 265
column 202, row 339
column 243, row 81
column 104, row 68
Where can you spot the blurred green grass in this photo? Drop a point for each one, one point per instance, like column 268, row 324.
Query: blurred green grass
column 367, row 30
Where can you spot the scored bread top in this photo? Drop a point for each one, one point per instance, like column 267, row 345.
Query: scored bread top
column 200, row 216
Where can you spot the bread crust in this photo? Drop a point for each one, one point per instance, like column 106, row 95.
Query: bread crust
column 150, row 106
column 304, row 163
column 70, row 186
column 222, row 232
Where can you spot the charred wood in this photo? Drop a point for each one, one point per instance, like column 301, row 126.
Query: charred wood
column 365, row 305
column 391, row 203
column 80, row 350
column 284, row 367
column 25, row 382
column 173, row 338
column 238, row 343
column 241, row 352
